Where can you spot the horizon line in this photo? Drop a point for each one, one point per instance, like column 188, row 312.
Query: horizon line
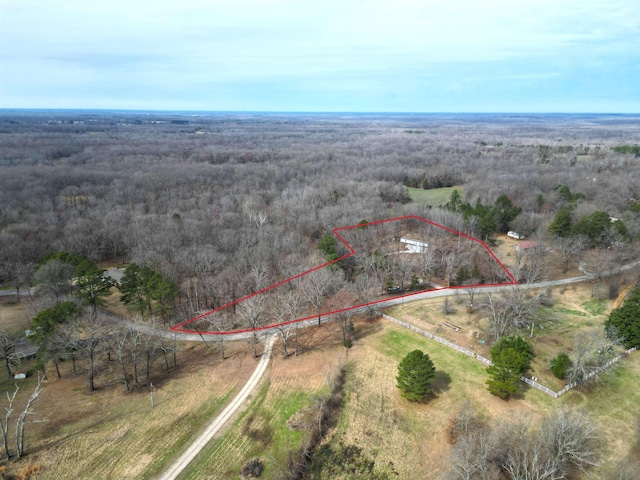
column 301, row 112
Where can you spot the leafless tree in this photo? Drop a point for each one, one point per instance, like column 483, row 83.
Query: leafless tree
column 221, row 322
column 466, row 421
column 7, row 353
column 570, row 248
column 571, row 438
column 16, row 260
column 285, row 307
column 591, row 350
column 426, row 263
column 471, row 459
column 149, row 349
column 4, row 426
column 23, row 416
column 87, row 335
column 168, row 348
column 531, row 264
column 253, row 315
column 120, row 344
column 136, row 340
column 511, row 309
column 405, row 264
column 55, row 279
column 316, row 285
column 363, row 287
column 597, row 265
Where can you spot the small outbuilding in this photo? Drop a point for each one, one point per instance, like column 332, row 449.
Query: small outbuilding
column 524, row 246
column 24, row 349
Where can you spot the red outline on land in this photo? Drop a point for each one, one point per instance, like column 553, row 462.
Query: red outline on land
column 179, row 327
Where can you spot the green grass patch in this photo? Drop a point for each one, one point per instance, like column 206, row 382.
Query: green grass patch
column 433, row 197
column 260, row 431
column 194, row 421
column 595, row 307
column 567, row 311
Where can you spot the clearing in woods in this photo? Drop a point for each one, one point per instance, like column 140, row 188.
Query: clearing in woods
column 433, row 197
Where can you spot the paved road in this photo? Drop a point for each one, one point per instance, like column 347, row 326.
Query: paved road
column 23, row 292
column 226, row 414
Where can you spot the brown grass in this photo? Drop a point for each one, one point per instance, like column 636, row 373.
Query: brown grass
column 14, row 316
column 107, row 434
column 261, row 429
column 554, row 333
column 413, row 435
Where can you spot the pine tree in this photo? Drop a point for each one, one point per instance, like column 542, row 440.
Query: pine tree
column 415, row 373
column 511, row 357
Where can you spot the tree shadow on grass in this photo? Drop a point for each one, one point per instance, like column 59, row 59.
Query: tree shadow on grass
column 440, row 384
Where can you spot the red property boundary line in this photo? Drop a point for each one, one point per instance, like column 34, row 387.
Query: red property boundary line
column 180, row 327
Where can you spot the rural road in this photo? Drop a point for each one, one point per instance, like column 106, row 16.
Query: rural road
column 219, row 421
column 186, row 458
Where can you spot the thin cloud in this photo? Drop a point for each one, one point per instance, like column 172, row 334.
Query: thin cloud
column 280, row 54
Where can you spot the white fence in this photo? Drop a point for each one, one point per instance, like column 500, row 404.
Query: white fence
column 526, row 380
column 438, row 339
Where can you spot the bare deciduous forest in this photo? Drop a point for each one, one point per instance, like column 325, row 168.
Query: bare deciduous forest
column 189, row 193
column 223, row 205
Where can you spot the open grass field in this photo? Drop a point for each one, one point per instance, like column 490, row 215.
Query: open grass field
column 107, row 434
column 433, row 197
column 261, row 430
column 14, row 316
column 413, row 436
column 574, row 311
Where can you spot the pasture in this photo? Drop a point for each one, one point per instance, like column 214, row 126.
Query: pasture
column 432, row 197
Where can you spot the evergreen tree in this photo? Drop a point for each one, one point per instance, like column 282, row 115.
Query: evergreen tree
column 511, row 357
column 560, row 365
column 415, row 373
column 91, row 283
column 561, row 224
column 142, row 288
column 625, row 320
column 134, row 288
column 593, row 226
column 44, row 323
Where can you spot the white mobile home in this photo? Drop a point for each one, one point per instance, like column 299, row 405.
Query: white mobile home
column 414, row 246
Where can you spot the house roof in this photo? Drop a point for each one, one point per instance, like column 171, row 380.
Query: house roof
column 25, row 349
column 527, row 245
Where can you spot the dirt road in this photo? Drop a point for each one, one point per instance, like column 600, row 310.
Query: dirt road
column 226, row 414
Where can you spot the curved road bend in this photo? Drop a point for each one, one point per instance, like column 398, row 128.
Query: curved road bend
column 221, row 419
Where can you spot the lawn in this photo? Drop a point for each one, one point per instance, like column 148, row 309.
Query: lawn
column 261, row 430
column 433, row 197
column 573, row 311
column 413, row 436
column 14, row 317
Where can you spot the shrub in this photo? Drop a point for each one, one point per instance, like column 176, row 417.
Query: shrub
column 560, row 365
column 253, row 468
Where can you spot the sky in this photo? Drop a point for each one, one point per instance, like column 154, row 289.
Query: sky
column 570, row 56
